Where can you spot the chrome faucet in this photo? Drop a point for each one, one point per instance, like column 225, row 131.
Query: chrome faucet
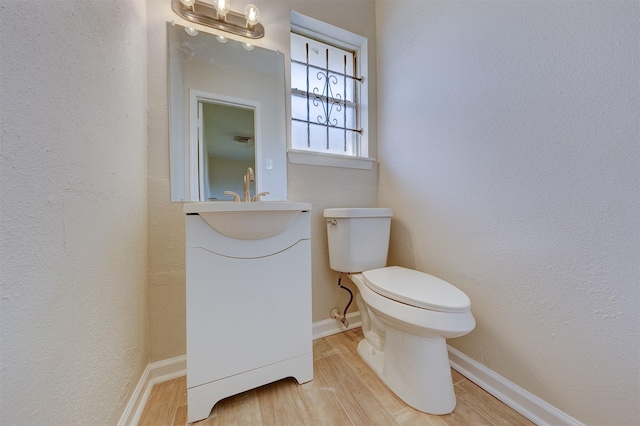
column 248, row 178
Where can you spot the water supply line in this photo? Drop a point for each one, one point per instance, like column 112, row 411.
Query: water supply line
column 335, row 313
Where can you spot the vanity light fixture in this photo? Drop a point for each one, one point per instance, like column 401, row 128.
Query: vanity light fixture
column 220, row 17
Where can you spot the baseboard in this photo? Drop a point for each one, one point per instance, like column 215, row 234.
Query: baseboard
column 522, row 401
column 333, row 326
column 156, row 372
column 525, row 403
column 168, row 369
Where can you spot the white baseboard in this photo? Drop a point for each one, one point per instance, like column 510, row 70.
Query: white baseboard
column 156, row 372
column 333, row 326
column 525, row 403
column 169, row 369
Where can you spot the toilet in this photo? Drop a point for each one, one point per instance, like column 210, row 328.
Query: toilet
column 406, row 314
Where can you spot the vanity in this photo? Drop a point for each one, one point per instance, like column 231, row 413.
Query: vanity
column 248, row 267
column 248, row 264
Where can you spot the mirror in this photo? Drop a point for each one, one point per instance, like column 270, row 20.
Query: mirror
column 226, row 113
column 228, row 148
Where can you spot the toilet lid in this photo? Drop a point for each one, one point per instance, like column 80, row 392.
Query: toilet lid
column 416, row 289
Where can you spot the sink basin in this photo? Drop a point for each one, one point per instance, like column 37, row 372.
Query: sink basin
column 248, row 221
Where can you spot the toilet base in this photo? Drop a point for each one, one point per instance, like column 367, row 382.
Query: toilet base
column 373, row 358
column 415, row 368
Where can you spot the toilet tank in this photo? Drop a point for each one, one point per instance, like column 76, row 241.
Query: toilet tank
column 358, row 238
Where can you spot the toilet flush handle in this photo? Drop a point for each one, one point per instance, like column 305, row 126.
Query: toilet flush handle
column 332, row 221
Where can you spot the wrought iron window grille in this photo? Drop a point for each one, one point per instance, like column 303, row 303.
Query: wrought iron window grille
column 330, row 99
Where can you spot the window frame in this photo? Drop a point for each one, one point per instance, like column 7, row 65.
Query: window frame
column 318, row 30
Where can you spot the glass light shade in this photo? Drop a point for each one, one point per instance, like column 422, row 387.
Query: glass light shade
column 188, row 3
column 252, row 15
column 247, row 46
column 222, row 6
column 191, row 31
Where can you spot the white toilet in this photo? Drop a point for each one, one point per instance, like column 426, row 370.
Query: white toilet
column 406, row 314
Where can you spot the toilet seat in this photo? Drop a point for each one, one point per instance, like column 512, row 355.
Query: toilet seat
column 416, row 289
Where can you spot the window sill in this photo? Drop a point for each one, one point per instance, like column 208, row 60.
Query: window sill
column 312, row 158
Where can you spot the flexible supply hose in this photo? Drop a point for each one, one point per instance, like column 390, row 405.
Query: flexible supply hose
column 344, row 315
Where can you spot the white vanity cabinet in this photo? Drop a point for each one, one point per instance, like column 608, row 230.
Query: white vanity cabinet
column 248, row 307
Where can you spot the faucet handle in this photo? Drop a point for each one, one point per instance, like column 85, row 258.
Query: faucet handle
column 256, row 198
column 235, row 196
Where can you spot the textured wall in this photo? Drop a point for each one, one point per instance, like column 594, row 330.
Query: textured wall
column 509, row 153
column 73, row 210
column 323, row 187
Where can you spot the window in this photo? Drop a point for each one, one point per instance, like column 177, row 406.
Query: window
column 328, row 90
column 324, row 108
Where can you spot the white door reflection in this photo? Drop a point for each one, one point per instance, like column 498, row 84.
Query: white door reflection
column 228, row 146
column 224, row 133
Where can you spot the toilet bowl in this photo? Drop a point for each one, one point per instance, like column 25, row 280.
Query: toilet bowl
column 406, row 314
column 405, row 344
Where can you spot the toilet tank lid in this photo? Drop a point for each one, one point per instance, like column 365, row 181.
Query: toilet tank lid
column 358, row 212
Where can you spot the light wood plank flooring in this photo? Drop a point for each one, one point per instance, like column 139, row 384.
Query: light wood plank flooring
column 345, row 391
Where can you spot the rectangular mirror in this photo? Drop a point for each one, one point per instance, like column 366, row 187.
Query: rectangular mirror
column 226, row 113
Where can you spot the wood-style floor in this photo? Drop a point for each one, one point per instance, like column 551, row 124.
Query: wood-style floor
column 345, row 391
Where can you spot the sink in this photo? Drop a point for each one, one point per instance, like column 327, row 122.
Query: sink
column 248, row 221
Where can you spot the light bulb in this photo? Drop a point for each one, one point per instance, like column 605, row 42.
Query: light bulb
column 188, row 3
column 222, row 6
column 252, row 15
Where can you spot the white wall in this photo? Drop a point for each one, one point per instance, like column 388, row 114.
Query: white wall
column 509, row 152
column 73, row 210
column 321, row 186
